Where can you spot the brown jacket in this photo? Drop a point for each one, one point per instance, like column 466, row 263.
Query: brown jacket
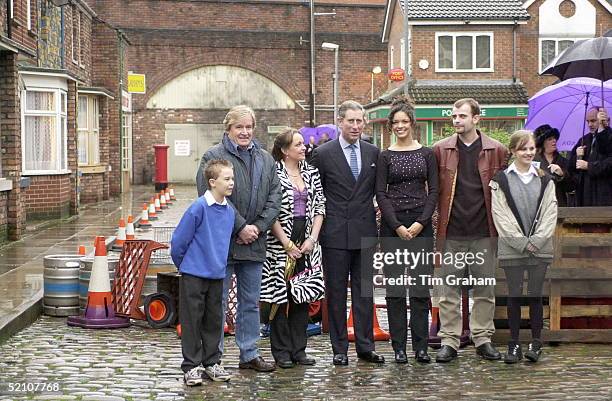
column 492, row 158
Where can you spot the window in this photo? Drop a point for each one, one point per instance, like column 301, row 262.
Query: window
column 44, row 130
column 81, row 45
column 29, row 14
column 126, row 142
column 551, row 48
column 464, row 52
column 402, row 55
column 88, row 129
column 76, row 35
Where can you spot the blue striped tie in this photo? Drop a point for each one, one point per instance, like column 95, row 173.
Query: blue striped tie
column 353, row 161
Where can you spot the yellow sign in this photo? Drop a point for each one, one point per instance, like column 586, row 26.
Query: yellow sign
column 137, row 83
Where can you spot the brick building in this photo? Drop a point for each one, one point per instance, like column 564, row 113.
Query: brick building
column 18, row 41
column 59, row 118
column 71, row 124
column 491, row 50
column 456, row 49
column 202, row 57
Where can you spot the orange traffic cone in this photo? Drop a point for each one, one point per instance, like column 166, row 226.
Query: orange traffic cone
column 168, row 199
column 121, row 234
column 129, row 230
column 99, row 312
column 144, row 218
column 172, row 197
column 82, row 250
column 152, row 212
column 379, row 333
column 349, row 327
column 157, row 204
column 162, row 200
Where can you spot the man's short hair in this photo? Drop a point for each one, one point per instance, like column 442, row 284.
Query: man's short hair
column 213, row 168
column 350, row 105
column 474, row 106
column 236, row 113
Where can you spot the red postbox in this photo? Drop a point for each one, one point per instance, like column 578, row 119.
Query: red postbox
column 161, row 166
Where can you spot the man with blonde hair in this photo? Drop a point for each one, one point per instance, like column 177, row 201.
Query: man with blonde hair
column 256, row 199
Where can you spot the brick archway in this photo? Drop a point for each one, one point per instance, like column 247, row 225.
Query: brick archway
column 266, row 70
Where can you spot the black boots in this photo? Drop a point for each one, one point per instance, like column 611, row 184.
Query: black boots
column 534, row 351
column 514, row 353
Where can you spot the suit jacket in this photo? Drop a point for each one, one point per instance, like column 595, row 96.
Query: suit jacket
column 350, row 214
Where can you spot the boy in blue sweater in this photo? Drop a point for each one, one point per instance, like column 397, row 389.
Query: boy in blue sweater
column 199, row 248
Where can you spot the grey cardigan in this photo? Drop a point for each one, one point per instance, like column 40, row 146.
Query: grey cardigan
column 262, row 194
column 513, row 238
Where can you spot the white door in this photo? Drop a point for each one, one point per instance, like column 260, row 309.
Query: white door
column 188, row 142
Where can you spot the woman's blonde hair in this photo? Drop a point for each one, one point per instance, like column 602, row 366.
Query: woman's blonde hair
column 236, row 113
column 520, row 138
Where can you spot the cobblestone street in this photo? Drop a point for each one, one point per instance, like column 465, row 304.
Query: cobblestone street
column 140, row 363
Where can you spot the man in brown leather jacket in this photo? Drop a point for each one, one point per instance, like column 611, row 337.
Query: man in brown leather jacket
column 467, row 161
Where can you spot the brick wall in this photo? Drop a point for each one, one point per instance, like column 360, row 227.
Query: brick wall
column 10, row 132
column 72, row 146
column 82, row 67
column 529, row 56
column 48, row 196
column 92, row 188
column 19, row 23
column 106, row 45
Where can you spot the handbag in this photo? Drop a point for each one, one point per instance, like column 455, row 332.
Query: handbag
column 307, row 286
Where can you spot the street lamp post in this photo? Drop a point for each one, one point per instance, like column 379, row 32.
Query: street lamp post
column 334, row 47
column 375, row 70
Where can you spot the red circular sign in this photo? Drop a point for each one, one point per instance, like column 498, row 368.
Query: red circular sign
column 397, row 74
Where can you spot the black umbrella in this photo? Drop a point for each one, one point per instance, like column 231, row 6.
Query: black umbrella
column 590, row 58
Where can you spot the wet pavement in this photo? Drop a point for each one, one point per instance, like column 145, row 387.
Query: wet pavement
column 140, row 363
column 49, row 360
column 21, row 262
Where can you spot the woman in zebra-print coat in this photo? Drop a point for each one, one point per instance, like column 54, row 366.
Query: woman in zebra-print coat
column 294, row 234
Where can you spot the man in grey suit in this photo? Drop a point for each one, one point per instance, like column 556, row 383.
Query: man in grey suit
column 348, row 171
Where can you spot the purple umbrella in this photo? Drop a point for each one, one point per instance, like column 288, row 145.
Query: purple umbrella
column 329, row 129
column 307, row 132
column 562, row 106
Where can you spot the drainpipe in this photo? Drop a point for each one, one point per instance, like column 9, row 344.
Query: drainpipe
column 514, row 50
column 8, row 18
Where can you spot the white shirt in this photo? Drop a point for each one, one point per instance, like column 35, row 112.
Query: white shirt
column 210, row 199
column 347, row 151
column 525, row 177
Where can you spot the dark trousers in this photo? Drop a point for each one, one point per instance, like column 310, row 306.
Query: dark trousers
column 338, row 264
column 419, row 296
column 535, row 281
column 288, row 328
column 201, row 318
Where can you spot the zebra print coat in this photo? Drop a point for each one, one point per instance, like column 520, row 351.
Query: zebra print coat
column 273, row 285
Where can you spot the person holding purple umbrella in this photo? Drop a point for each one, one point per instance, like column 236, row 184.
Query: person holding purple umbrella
column 551, row 161
column 591, row 161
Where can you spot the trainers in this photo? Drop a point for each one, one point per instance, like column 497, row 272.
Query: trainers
column 216, row 373
column 514, row 353
column 194, row 376
column 534, row 351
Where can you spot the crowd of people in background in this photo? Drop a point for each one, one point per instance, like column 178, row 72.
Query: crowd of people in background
column 300, row 224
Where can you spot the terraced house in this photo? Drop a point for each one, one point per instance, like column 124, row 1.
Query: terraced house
column 491, row 50
column 60, row 122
